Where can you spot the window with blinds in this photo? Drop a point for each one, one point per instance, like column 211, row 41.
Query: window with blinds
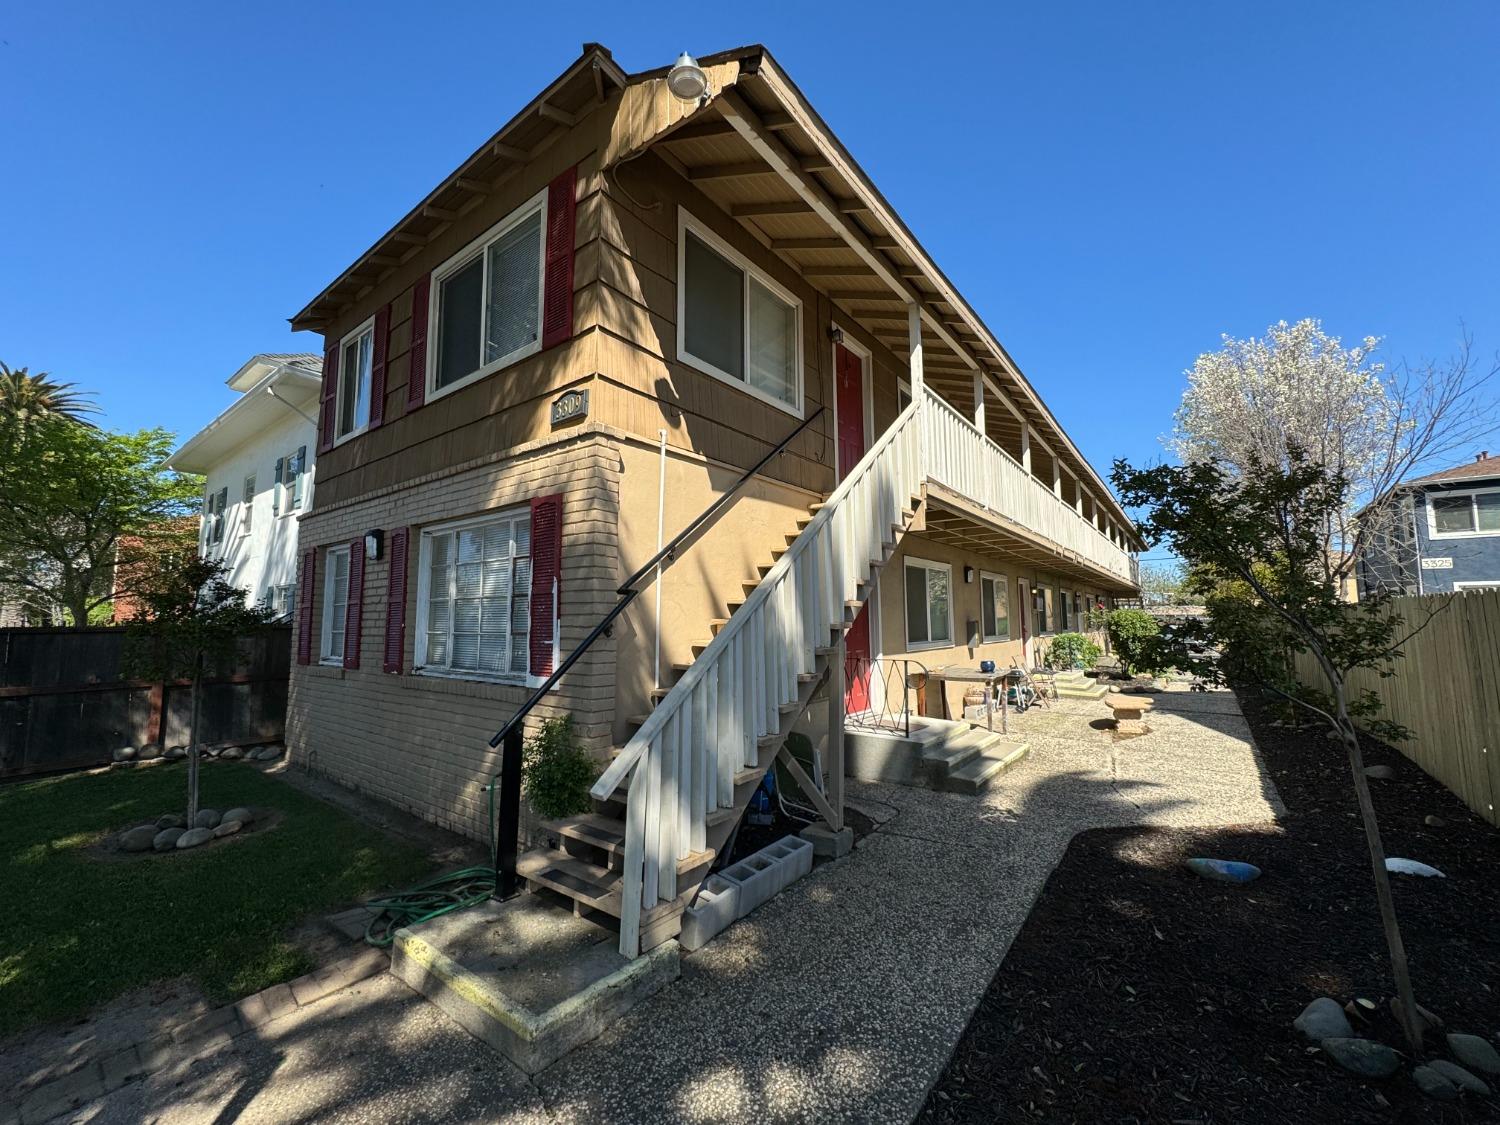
column 474, row 597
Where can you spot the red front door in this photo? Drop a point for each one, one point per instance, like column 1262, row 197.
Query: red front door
column 849, row 396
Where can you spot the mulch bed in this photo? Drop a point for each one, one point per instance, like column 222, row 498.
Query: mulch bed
column 1137, row 992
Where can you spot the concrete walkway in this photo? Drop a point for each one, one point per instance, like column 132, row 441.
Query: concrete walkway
column 839, row 1000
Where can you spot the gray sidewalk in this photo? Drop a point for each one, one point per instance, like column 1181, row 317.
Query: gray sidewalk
column 839, row 1000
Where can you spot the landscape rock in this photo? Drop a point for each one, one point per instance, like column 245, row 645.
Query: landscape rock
column 274, row 750
column 1460, row 1077
column 232, row 753
column 124, row 754
column 176, row 753
column 1362, row 1056
column 195, row 836
column 207, row 818
column 1323, row 1019
column 1433, row 1084
column 1222, row 870
column 228, row 828
column 244, row 816
column 1474, row 1053
column 166, row 839
column 170, row 820
column 1380, row 773
column 138, row 839
column 1434, row 821
column 149, row 752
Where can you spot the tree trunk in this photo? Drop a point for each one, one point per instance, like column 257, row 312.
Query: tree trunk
column 1411, row 1022
column 192, row 812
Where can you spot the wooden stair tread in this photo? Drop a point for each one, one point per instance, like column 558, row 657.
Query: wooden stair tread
column 596, row 887
column 604, row 832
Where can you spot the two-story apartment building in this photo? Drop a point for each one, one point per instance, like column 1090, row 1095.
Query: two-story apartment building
column 1437, row 533
column 581, row 339
column 256, row 459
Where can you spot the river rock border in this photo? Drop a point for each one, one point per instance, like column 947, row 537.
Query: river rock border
column 153, row 752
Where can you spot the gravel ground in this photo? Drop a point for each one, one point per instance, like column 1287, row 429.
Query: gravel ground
column 840, row 1000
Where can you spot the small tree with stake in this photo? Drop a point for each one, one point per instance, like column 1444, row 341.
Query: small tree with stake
column 1259, row 537
column 190, row 621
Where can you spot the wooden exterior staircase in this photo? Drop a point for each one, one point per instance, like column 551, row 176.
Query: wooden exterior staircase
column 673, row 794
column 587, row 862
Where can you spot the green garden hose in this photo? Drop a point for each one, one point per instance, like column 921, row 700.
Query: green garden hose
column 432, row 898
column 453, row 890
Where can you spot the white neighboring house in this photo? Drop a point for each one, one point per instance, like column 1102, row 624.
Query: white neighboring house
column 257, row 458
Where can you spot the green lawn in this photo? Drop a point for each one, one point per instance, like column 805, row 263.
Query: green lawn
column 77, row 930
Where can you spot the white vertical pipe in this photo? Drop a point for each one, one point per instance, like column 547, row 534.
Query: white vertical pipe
column 661, row 518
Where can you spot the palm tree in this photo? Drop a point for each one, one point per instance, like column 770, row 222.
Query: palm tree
column 26, row 398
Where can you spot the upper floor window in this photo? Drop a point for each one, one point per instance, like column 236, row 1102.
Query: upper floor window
column 1464, row 513
column 291, row 476
column 247, row 505
column 213, row 517
column 353, row 408
column 474, row 597
column 734, row 322
column 488, row 300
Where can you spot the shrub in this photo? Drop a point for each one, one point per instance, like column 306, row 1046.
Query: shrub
column 557, row 770
column 1072, row 650
column 1130, row 632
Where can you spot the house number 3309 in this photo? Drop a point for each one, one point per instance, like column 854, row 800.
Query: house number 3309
column 570, row 407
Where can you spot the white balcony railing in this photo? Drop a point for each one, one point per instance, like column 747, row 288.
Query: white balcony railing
column 959, row 456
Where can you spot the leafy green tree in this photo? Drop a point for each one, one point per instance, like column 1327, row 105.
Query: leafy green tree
column 1254, row 541
column 26, row 399
column 190, row 621
column 80, row 502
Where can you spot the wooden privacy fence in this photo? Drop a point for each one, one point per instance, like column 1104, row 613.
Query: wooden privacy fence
column 65, row 704
column 1446, row 690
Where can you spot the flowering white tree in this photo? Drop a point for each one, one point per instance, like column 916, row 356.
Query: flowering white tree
column 1297, row 394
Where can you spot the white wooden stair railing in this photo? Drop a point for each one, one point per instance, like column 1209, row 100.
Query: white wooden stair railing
column 965, row 459
column 683, row 760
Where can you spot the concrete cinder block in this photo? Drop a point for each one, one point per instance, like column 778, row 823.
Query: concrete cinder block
column 828, row 843
column 756, row 877
column 717, row 906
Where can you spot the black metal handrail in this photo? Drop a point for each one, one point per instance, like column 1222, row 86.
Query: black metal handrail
column 509, row 776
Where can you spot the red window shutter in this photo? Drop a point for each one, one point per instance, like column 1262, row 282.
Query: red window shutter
column 395, row 601
column 546, row 580
column 416, row 384
column 305, row 605
column 330, row 397
column 557, row 284
column 354, row 614
column 377, row 365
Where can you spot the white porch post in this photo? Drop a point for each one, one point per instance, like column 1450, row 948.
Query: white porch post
column 1078, row 496
column 1056, row 475
column 914, row 349
column 979, row 402
column 836, row 733
column 1026, row 448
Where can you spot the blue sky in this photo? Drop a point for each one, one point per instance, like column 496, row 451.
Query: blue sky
column 1111, row 185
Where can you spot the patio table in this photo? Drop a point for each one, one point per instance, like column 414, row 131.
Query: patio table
column 970, row 674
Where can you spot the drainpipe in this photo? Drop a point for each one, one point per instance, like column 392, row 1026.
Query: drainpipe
column 661, row 515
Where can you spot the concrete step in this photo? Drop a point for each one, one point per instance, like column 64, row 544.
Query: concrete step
column 947, row 754
column 975, row 775
column 1089, row 689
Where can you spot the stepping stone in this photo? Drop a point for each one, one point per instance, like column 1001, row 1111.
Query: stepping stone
column 1460, row 1077
column 1433, row 1084
column 1323, row 1019
column 1474, row 1053
column 1362, row 1056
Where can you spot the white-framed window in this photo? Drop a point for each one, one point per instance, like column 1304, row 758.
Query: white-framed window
column 283, row 598
column 247, row 505
column 1043, row 598
column 474, row 598
column 734, row 322
column 291, row 477
column 352, row 409
column 994, row 607
column 486, row 301
column 929, row 604
column 335, row 603
column 1455, row 515
column 214, row 505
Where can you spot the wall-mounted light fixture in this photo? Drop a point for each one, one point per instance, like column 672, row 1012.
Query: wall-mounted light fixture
column 374, row 543
column 836, row 334
column 968, row 575
column 686, row 80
